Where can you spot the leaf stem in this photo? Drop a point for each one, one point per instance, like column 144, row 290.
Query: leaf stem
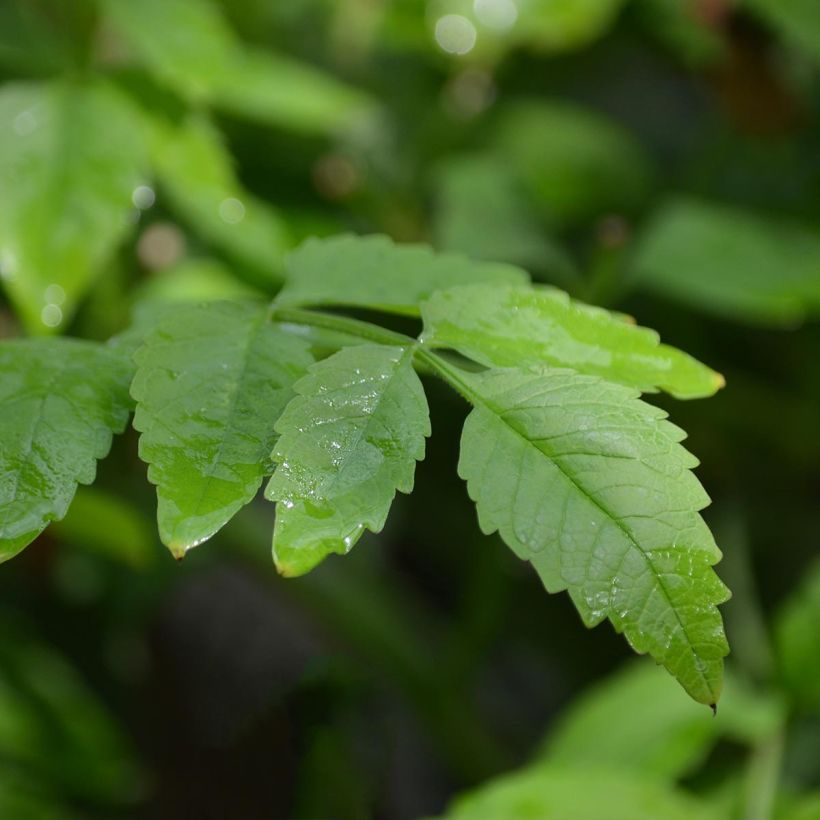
column 340, row 324
column 448, row 373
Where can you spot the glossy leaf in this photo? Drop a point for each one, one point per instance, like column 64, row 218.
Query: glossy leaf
column 731, row 262
column 574, row 162
column 640, row 721
column 67, row 185
column 797, row 634
column 211, row 381
column 593, row 487
column 349, row 440
column 559, row 793
column 374, row 272
column 189, row 45
column 196, row 172
column 508, row 327
column 60, row 403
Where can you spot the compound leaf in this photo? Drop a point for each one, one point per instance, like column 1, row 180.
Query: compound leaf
column 349, row 440
column 67, row 186
column 60, row 403
column 593, row 487
column 211, row 381
column 374, row 272
column 508, row 327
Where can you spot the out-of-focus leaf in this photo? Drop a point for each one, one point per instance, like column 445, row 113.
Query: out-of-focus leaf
column 374, row 272
column 676, row 24
column 108, row 525
column 796, row 20
column 211, row 382
column 196, row 171
column 26, row 800
column 349, row 440
column 60, row 402
column 28, row 42
column 189, row 45
column 558, row 793
column 806, row 808
column 507, row 326
column 730, row 262
column 71, row 156
column 638, row 720
column 797, row 634
column 594, row 488
column 561, row 25
column 483, row 213
column 576, row 163
column 195, row 280
column 55, row 729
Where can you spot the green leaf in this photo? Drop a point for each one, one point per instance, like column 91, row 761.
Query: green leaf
column 60, row 402
column 593, row 488
column 211, row 381
column 797, row 640
column 508, row 326
column 558, row 793
column 67, row 184
column 349, row 440
column 574, row 162
column 374, row 272
column 482, row 213
column 640, row 721
column 565, row 25
column 796, row 20
column 189, row 45
column 196, row 172
column 731, row 262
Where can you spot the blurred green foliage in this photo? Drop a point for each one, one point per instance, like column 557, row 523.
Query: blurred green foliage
column 655, row 156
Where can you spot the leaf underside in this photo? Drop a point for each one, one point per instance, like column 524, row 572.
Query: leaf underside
column 349, row 440
column 592, row 487
column 374, row 272
column 507, row 326
column 62, row 400
column 211, row 381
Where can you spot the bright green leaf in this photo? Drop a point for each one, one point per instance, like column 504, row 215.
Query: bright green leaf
column 574, row 162
column 558, row 793
column 67, row 185
column 565, row 24
column 374, row 272
column 642, row 722
column 797, row 634
column 196, row 172
column 517, row 327
column 731, row 262
column 60, row 402
column 211, row 381
column 593, row 487
column 189, row 45
column 349, row 440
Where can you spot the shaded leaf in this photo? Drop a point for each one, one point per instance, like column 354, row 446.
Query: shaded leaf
column 349, row 440
column 508, row 326
column 67, row 185
column 61, row 401
column 730, row 262
column 574, row 162
column 797, row 640
column 559, row 793
column 211, row 381
column 638, row 720
column 196, row 172
column 189, row 45
column 796, row 20
column 593, row 487
column 374, row 272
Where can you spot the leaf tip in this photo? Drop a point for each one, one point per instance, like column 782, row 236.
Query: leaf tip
column 713, row 707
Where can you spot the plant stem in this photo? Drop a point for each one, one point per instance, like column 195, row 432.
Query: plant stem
column 340, row 324
column 762, row 778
